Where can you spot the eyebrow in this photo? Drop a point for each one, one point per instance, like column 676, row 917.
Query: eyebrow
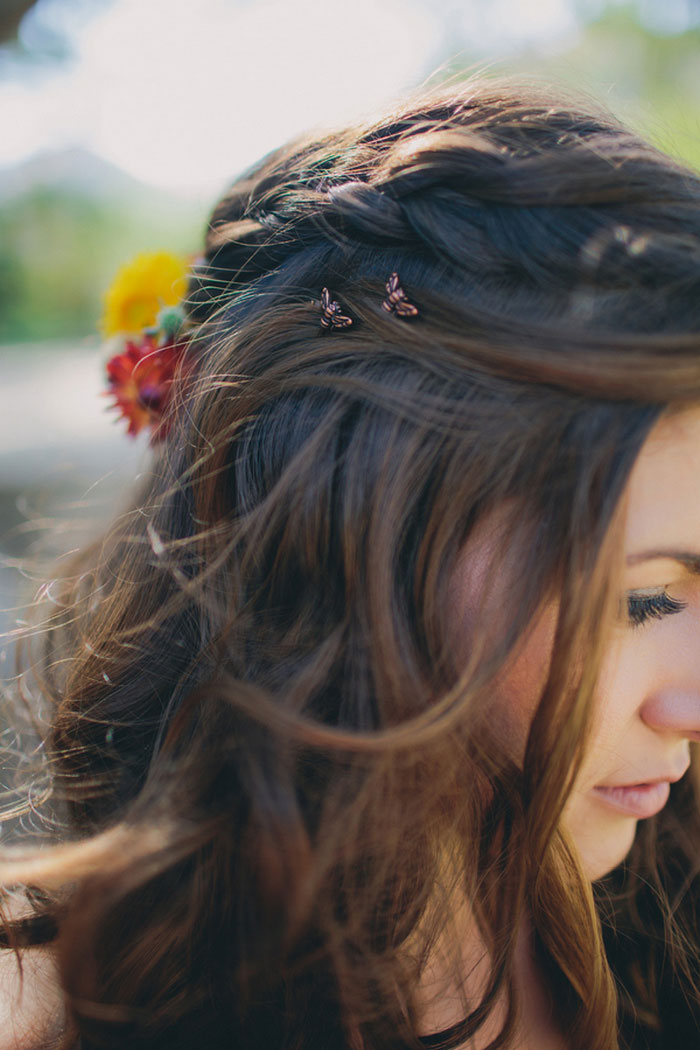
column 689, row 559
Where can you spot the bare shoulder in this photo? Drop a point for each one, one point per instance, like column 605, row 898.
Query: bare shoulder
column 31, row 1003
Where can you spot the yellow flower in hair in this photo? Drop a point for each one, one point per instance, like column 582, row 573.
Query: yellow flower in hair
column 140, row 291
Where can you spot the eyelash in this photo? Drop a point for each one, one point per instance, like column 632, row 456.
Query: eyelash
column 641, row 609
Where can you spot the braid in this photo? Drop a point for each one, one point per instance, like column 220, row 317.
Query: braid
column 480, row 191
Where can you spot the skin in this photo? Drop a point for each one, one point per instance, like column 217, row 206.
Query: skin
column 649, row 694
column 648, row 697
column 647, row 704
column 31, row 1006
column 647, row 707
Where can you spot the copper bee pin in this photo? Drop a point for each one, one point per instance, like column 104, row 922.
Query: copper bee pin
column 331, row 317
column 396, row 301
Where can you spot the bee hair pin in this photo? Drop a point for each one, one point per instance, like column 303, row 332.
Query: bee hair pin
column 396, row 302
column 331, row 316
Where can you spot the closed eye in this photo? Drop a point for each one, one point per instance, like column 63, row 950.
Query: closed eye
column 644, row 607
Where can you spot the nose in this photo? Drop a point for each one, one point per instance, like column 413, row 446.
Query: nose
column 675, row 711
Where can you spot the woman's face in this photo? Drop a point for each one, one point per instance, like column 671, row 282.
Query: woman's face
column 648, row 698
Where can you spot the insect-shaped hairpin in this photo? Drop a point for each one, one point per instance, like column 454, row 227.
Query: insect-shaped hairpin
column 396, row 301
column 331, row 317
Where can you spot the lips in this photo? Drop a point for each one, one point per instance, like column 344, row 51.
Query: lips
column 635, row 800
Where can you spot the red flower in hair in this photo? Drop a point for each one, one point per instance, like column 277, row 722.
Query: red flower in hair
column 141, row 380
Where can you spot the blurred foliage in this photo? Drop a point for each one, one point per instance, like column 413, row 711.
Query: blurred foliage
column 36, row 31
column 46, row 271
column 640, row 58
column 647, row 76
column 664, row 16
column 11, row 14
column 60, row 248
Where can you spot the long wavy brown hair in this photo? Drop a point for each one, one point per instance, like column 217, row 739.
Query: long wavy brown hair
column 279, row 776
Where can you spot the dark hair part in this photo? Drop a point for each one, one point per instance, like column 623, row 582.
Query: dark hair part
column 276, row 766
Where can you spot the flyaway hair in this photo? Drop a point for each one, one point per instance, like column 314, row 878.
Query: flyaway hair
column 281, row 782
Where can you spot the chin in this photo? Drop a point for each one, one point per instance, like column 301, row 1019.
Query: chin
column 600, row 864
column 603, row 842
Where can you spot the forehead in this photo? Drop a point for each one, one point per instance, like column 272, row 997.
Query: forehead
column 664, row 489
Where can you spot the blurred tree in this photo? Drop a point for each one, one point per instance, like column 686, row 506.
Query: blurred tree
column 648, row 74
column 67, row 222
column 669, row 16
column 42, row 29
column 11, row 14
column 639, row 57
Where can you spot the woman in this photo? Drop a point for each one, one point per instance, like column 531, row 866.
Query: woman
column 373, row 716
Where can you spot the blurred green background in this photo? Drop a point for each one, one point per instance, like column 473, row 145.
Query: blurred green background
column 60, row 242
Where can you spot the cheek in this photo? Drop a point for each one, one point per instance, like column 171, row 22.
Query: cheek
column 626, row 675
column 617, row 681
column 521, row 683
column 478, row 595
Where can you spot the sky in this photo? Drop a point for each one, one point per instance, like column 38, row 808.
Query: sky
column 184, row 94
